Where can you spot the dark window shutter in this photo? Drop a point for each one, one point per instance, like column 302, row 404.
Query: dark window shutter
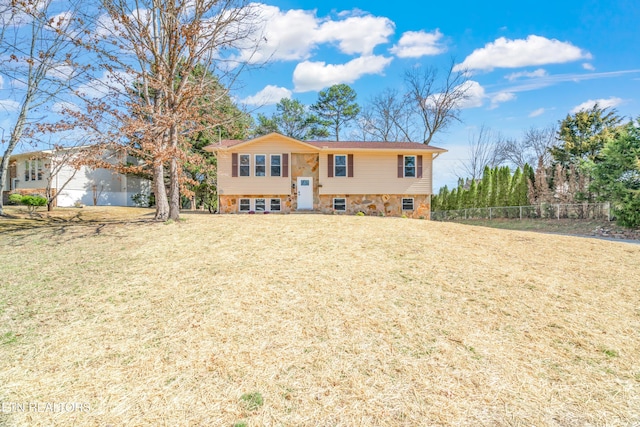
column 400, row 166
column 350, row 166
column 330, row 165
column 419, row 166
column 234, row 164
column 285, row 165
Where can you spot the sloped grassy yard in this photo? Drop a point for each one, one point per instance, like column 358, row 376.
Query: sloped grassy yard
column 309, row 320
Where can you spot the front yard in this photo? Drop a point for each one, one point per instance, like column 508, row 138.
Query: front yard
column 312, row 320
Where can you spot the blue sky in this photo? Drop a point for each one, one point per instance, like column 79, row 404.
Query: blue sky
column 531, row 63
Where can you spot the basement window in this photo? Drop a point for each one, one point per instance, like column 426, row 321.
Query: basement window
column 407, row 204
column 245, row 205
column 340, row 204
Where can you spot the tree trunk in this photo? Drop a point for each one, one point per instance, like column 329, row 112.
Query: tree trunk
column 162, row 205
column 174, row 182
column 174, row 191
column 3, row 177
column 16, row 134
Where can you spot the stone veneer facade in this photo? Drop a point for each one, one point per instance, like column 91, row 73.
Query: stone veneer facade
column 369, row 204
column 379, row 204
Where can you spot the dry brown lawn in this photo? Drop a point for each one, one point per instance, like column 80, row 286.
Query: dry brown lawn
column 331, row 320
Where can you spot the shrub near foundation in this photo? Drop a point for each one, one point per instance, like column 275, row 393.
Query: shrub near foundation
column 32, row 202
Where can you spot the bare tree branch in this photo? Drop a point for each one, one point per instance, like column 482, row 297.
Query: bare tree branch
column 437, row 103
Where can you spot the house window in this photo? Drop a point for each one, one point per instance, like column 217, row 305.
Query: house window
column 274, row 205
column 340, row 204
column 276, row 165
column 33, row 170
column 245, row 205
column 410, row 166
column 245, row 164
column 260, row 205
column 261, row 165
column 340, row 165
column 27, row 175
column 40, row 162
column 407, row 204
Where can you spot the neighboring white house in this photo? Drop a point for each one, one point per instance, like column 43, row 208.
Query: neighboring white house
column 30, row 173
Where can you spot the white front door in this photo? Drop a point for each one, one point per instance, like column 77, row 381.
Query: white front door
column 305, row 193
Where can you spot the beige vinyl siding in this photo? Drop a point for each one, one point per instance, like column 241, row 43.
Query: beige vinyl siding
column 257, row 185
column 376, row 173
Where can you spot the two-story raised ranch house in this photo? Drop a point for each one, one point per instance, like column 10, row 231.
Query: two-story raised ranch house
column 275, row 173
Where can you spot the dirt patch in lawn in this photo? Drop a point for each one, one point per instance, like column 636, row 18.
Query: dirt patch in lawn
column 594, row 228
column 317, row 320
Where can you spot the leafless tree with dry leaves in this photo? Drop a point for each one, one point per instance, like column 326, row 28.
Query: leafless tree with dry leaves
column 39, row 54
column 160, row 56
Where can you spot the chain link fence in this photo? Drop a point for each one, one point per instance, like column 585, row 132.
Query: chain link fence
column 600, row 211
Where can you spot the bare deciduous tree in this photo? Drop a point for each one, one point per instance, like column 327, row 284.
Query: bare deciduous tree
column 485, row 149
column 163, row 54
column 436, row 101
column 534, row 146
column 387, row 117
column 39, row 52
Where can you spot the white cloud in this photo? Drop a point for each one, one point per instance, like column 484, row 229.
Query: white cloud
column 536, row 113
column 602, row 103
column 540, row 72
column 98, row 88
column 357, row 34
column 534, row 50
column 589, row 67
column 501, row 97
column 268, row 96
column 61, row 72
column 318, row 75
column 415, row 44
column 60, row 107
column 292, row 35
column 9, row 105
column 475, row 94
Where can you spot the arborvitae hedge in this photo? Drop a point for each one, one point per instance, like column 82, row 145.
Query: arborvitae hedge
column 498, row 187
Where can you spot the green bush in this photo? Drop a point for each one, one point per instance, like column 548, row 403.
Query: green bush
column 32, row 202
column 15, row 199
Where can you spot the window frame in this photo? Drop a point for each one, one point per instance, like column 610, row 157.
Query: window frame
column 264, row 204
column 39, row 170
column 336, row 166
column 415, row 166
column 240, row 205
column 240, row 165
column 27, row 173
column 256, row 165
column 271, row 205
column 334, row 204
column 279, row 166
column 412, row 204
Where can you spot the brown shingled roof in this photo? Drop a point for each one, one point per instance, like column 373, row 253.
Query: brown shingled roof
column 227, row 143
column 373, row 145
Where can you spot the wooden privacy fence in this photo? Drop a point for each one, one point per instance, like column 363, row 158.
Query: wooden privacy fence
column 542, row 211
